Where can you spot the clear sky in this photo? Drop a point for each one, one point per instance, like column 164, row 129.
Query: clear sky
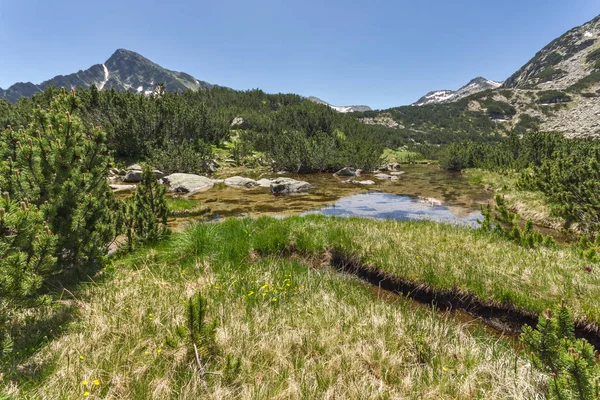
column 379, row 53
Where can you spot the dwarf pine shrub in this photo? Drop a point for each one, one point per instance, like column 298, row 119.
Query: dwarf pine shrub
column 572, row 364
column 147, row 211
column 61, row 167
column 505, row 223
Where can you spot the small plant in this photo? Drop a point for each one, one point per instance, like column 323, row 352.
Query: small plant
column 573, row 365
column 146, row 213
column 506, row 224
column 587, row 249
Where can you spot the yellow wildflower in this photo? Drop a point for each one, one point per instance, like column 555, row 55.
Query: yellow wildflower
column 86, row 394
column 96, row 382
column 84, row 383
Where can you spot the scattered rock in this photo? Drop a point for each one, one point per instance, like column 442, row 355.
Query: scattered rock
column 135, row 175
column 134, row 167
column 240, row 181
column 383, row 176
column 488, row 187
column 239, row 123
column 289, row 185
column 187, row 183
column 367, row 182
column 264, row 182
column 122, row 188
column 348, row 171
column 394, row 166
column 215, row 181
column 211, row 165
column 398, row 173
column 114, row 171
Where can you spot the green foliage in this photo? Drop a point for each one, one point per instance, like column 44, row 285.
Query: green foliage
column 571, row 181
column 146, row 211
column 586, row 82
column 187, row 157
column 588, row 249
column 26, row 258
column 240, row 150
column 553, row 97
column 593, row 56
column 506, row 224
column 572, row 364
column 61, row 167
column 499, row 109
column 201, row 333
column 548, row 74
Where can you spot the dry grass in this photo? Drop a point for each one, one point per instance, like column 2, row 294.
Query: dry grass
column 300, row 332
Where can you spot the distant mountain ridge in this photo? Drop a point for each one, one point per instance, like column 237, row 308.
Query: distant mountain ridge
column 342, row 109
column 476, row 85
column 124, row 70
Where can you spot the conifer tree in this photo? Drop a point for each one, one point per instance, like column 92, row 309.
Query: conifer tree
column 61, row 167
column 147, row 211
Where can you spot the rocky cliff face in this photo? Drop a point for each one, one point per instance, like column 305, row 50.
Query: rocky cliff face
column 476, row 85
column 342, row 109
column 124, row 70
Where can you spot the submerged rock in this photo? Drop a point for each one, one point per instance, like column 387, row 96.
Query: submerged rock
column 240, row 181
column 348, row 171
column 289, row 185
column 398, row 173
column 187, row 183
column 383, row 176
column 367, row 182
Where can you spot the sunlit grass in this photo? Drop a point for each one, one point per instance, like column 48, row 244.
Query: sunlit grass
column 300, row 328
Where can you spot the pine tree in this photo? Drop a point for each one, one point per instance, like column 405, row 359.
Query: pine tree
column 61, row 167
column 147, row 211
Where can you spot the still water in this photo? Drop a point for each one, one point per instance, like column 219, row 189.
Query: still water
column 423, row 192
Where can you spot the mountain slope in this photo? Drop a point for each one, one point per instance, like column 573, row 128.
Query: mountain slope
column 342, row 109
column 563, row 62
column 476, row 85
column 124, row 70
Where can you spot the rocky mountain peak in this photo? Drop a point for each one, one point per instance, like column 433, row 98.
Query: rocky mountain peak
column 124, row 70
column 475, row 85
column 342, row 109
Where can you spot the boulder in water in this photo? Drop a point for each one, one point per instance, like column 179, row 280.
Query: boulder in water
column 240, row 181
column 187, row 183
column 289, row 185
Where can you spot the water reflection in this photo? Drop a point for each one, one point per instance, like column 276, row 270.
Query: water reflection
column 399, row 207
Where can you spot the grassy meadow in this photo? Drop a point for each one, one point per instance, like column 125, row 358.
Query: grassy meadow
column 299, row 328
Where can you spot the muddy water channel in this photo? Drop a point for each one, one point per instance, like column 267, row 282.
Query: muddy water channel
column 422, row 192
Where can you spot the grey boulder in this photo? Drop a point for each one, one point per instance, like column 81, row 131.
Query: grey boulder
column 240, row 181
column 289, row 185
column 187, row 183
column 348, row 171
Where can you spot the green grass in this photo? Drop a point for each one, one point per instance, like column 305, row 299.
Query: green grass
column 176, row 204
column 300, row 328
column 528, row 204
column 400, row 155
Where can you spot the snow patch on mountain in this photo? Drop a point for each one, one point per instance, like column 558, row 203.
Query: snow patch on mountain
column 101, row 86
column 476, row 85
column 342, row 109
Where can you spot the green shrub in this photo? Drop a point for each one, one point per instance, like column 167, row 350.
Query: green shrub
column 61, row 167
column 146, row 211
column 553, row 97
column 187, row 157
column 571, row 364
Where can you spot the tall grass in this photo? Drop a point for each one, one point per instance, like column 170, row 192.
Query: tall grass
column 301, row 329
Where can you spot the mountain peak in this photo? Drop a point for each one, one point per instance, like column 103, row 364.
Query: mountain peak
column 475, row 85
column 342, row 109
column 124, row 70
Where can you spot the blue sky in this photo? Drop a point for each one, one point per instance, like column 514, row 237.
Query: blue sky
column 379, row 53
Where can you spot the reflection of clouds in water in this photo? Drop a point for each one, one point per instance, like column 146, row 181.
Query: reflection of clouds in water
column 390, row 206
